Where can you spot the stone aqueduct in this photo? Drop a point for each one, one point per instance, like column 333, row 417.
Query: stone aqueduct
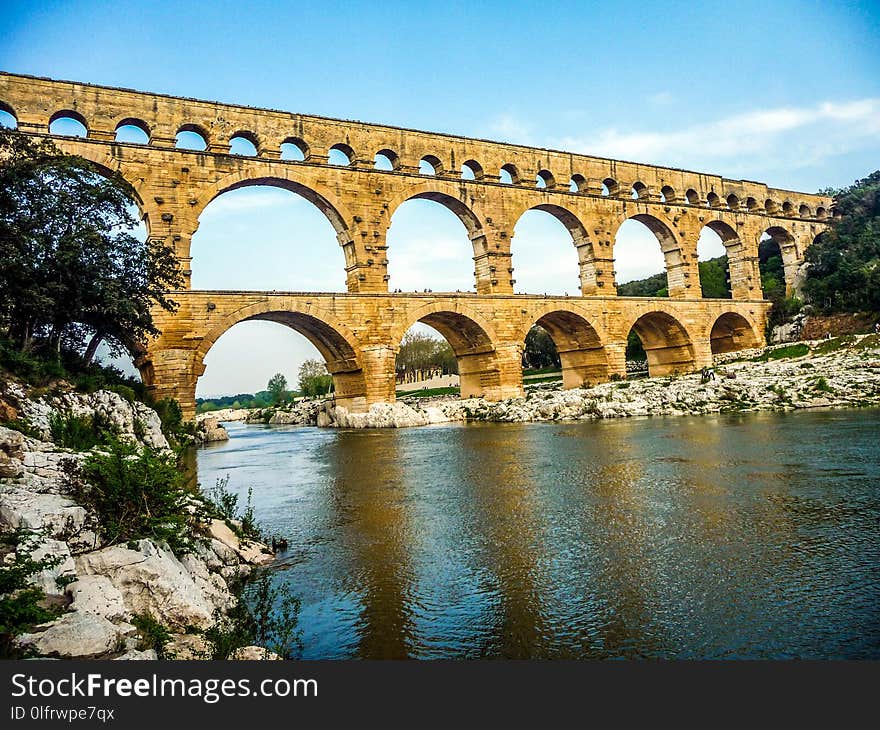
column 359, row 332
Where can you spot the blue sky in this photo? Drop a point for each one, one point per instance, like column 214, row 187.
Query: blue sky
column 783, row 92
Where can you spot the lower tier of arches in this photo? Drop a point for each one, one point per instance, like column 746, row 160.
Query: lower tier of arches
column 359, row 335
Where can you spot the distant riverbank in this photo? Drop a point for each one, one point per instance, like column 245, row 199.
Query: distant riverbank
column 836, row 373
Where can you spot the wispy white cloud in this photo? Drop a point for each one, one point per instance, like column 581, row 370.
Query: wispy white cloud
column 510, row 128
column 661, row 98
column 750, row 142
column 256, row 198
column 753, row 143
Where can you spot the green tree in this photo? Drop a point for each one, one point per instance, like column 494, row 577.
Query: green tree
column 635, row 350
column 652, row 286
column 22, row 604
column 540, row 350
column 421, row 353
column 314, row 379
column 277, row 388
column 844, row 263
column 714, row 276
column 70, row 267
column 772, row 271
column 773, row 284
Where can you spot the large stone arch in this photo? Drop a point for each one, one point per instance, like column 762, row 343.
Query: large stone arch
column 788, row 249
column 473, row 340
column 732, row 331
column 332, row 338
column 321, row 197
column 673, row 256
column 667, row 342
column 580, row 239
column 318, row 195
column 579, row 342
column 433, row 190
column 742, row 258
column 4, row 107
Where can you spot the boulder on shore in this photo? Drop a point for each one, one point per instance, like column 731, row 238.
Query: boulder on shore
column 152, row 581
column 210, row 430
column 74, row 636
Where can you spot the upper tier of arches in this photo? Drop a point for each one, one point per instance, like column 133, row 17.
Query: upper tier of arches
column 591, row 227
column 274, row 135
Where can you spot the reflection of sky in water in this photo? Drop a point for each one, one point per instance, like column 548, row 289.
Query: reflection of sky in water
column 739, row 536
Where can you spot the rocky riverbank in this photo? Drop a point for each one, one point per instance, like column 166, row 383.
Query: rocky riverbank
column 108, row 594
column 837, row 373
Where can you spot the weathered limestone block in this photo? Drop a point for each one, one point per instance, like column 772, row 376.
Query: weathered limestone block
column 209, row 430
column 254, row 653
column 137, row 655
column 11, row 453
column 384, row 415
column 134, row 421
column 21, row 507
column 152, row 580
column 212, row 586
column 223, row 552
column 225, row 414
column 48, row 579
column 186, row 647
column 250, row 552
column 74, row 636
column 96, row 594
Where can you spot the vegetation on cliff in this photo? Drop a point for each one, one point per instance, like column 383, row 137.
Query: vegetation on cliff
column 74, row 274
column 23, row 605
column 844, row 263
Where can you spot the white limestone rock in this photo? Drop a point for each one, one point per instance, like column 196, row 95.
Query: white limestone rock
column 381, row 415
column 211, row 585
column 210, row 430
column 137, row 655
column 96, row 594
column 254, row 553
column 74, row 636
column 48, row 579
column 225, row 414
column 11, row 453
column 152, row 580
column 134, row 421
column 254, row 653
column 186, row 647
column 22, row 507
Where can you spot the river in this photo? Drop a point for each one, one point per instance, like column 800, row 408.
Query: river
column 740, row 536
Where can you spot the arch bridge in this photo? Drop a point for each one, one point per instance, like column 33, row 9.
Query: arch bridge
column 488, row 185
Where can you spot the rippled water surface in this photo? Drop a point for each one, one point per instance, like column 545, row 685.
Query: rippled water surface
column 743, row 536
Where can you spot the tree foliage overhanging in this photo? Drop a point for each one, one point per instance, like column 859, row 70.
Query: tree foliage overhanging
column 844, row 263
column 70, row 267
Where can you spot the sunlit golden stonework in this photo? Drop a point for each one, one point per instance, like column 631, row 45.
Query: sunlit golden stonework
column 359, row 332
